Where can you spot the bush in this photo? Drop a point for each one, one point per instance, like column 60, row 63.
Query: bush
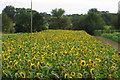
column 100, row 32
column 113, row 36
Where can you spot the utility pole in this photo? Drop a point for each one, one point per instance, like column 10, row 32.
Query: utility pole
column 119, row 7
column 31, row 16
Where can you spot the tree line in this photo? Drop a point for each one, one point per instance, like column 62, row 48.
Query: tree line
column 16, row 20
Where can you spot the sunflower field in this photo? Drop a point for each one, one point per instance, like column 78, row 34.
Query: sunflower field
column 58, row 54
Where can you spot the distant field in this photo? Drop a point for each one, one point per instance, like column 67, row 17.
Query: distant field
column 58, row 54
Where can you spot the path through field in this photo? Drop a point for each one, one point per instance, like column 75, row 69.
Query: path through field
column 108, row 41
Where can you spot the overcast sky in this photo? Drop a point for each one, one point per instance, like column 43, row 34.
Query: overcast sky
column 70, row 6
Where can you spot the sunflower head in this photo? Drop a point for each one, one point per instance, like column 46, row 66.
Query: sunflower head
column 16, row 75
column 83, row 63
column 91, row 71
column 79, row 75
column 112, row 67
column 4, row 73
column 66, row 75
column 38, row 75
column 32, row 66
column 19, row 46
column 22, row 74
column 73, row 73
column 26, row 54
column 91, row 61
column 98, row 59
column 38, row 65
column 9, row 67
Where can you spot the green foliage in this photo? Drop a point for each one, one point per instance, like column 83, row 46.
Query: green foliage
column 107, row 17
column 58, row 12
column 94, row 20
column 66, row 22
column 10, row 11
column 107, row 27
column 115, row 21
column 7, row 24
column 113, row 36
column 75, row 19
column 91, row 22
column 99, row 32
column 23, row 22
column 119, row 20
column 38, row 22
column 93, row 10
column 58, row 21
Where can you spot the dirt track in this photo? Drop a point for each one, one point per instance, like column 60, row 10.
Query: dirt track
column 111, row 42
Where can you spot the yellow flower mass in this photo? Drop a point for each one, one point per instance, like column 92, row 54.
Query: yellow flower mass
column 58, row 54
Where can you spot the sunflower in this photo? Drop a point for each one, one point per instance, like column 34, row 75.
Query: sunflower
column 22, row 74
column 110, row 75
column 33, row 59
column 83, row 63
column 104, row 58
column 91, row 71
column 15, row 65
column 98, row 59
column 32, row 66
column 28, row 61
column 94, row 64
column 5, row 73
column 91, row 61
column 19, row 46
column 66, row 75
column 112, row 67
column 69, row 77
column 38, row 65
column 10, row 62
column 6, row 57
column 9, row 67
column 26, row 54
column 16, row 75
column 79, row 75
column 38, row 75
column 73, row 73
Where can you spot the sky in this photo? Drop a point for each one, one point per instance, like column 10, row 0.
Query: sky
column 70, row 6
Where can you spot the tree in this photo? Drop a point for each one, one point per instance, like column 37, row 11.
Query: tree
column 23, row 22
column 7, row 24
column 65, row 23
column 75, row 18
column 59, row 21
column 107, row 17
column 93, row 10
column 94, row 21
column 10, row 11
column 91, row 22
column 115, row 21
column 38, row 22
column 0, row 23
column 118, row 22
column 58, row 12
